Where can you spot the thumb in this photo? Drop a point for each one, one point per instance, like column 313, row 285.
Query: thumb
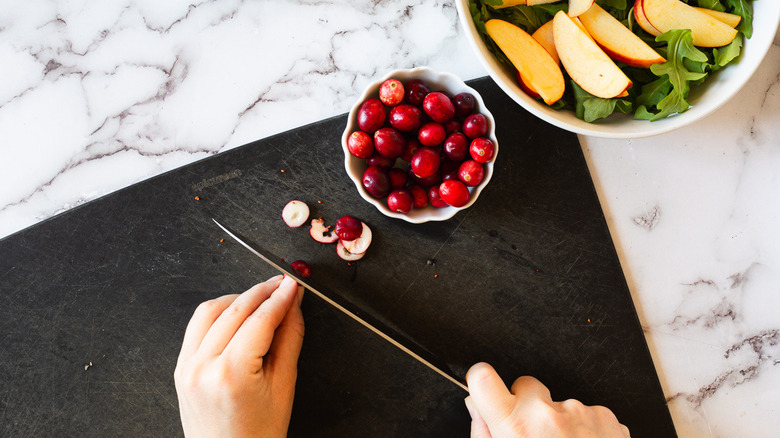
column 479, row 428
column 489, row 395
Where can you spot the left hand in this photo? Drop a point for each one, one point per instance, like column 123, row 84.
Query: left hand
column 235, row 376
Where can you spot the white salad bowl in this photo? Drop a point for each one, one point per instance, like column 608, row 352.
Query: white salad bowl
column 437, row 81
column 717, row 90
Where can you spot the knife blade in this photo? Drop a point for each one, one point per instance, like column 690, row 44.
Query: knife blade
column 392, row 336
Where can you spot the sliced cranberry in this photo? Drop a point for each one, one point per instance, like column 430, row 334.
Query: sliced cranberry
column 391, row 92
column 371, row 115
column 376, row 182
column 454, row 193
column 301, row 268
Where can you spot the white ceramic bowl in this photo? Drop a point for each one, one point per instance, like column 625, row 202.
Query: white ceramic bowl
column 437, row 81
column 705, row 99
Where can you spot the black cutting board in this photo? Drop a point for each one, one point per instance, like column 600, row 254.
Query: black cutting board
column 527, row 279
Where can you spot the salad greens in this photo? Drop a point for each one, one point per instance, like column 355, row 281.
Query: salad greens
column 657, row 92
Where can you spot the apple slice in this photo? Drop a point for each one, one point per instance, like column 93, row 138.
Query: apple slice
column 544, row 35
column 579, row 7
column 585, row 62
column 731, row 20
column 706, row 31
column 529, row 90
column 616, row 40
column 540, row 2
column 641, row 20
column 534, row 63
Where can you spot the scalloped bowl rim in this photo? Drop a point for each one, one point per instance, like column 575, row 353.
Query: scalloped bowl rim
column 726, row 82
column 355, row 166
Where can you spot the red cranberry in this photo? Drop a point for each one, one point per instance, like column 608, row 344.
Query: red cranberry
column 389, row 142
column 400, row 200
column 464, row 104
column 449, row 170
column 454, row 193
column 434, row 196
column 360, row 144
column 432, row 180
column 482, row 150
column 431, row 134
column 301, row 268
column 416, row 90
column 439, row 107
column 380, row 161
column 406, row 118
column 412, row 146
column 371, row 115
column 376, row 182
column 391, row 92
column 452, row 126
column 471, row 173
column 425, row 162
column 456, row 146
column 475, row 125
column 348, row 228
column 419, row 196
column 398, row 178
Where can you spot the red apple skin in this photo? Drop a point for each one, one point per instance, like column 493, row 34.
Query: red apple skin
column 523, row 86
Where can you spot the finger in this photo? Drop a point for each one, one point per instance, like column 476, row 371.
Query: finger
column 479, row 429
column 527, row 387
column 490, row 396
column 282, row 357
column 200, row 323
column 230, row 320
column 625, row 430
column 253, row 339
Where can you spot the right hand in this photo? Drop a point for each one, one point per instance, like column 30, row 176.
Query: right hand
column 527, row 411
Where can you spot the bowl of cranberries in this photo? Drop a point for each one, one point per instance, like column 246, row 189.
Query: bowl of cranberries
column 420, row 145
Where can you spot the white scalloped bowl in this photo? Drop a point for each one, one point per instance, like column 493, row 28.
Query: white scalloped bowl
column 704, row 99
column 438, row 81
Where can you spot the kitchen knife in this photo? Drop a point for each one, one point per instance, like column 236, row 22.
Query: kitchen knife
column 402, row 342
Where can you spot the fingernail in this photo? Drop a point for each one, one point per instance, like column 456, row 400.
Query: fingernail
column 469, row 406
column 288, row 281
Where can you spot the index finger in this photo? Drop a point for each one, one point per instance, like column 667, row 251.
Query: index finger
column 490, row 395
column 200, row 323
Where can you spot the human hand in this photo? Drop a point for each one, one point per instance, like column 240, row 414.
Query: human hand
column 235, row 376
column 527, row 411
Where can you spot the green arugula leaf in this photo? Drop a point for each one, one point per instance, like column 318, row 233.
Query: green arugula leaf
column 715, row 5
column 725, row 55
column 679, row 48
column 591, row 108
column 642, row 113
column 654, row 92
column 742, row 8
column 494, row 3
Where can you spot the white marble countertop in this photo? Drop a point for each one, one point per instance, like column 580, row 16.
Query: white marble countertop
column 100, row 95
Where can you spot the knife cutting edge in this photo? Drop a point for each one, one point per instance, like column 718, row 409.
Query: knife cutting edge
column 403, row 343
